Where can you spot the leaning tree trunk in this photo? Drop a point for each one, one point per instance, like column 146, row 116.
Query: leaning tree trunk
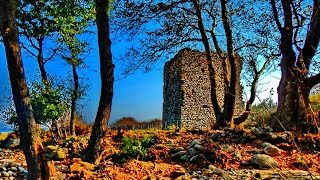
column 93, row 151
column 29, row 130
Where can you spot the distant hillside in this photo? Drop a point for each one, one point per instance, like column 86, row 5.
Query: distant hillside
column 132, row 123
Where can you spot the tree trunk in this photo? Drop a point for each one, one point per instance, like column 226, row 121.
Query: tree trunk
column 230, row 87
column 205, row 41
column 74, row 99
column 295, row 86
column 40, row 61
column 29, row 131
column 93, row 151
column 293, row 103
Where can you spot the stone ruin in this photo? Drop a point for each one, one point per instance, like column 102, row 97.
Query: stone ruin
column 186, row 91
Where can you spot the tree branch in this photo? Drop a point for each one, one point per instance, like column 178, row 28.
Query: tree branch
column 276, row 15
column 312, row 39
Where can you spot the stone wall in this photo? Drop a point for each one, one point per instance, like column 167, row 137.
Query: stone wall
column 187, row 103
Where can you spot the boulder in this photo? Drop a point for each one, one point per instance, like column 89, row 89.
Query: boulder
column 263, row 161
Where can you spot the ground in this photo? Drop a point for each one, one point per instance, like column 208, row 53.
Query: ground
column 178, row 154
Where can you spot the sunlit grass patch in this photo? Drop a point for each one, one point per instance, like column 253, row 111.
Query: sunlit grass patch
column 3, row 136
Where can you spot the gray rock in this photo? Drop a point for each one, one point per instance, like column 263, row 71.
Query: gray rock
column 266, row 144
column 194, row 142
column 272, row 151
column 21, row 169
column 185, row 157
column 198, row 147
column 13, row 143
column 5, row 174
column 179, row 154
column 197, row 158
column 263, row 161
column 10, row 173
column 192, row 151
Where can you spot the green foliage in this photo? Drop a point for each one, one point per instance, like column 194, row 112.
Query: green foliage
column 47, row 104
column 134, row 147
column 315, row 101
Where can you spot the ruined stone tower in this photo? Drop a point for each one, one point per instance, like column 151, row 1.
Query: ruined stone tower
column 186, row 92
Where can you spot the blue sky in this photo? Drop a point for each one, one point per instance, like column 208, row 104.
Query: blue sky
column 138, row 95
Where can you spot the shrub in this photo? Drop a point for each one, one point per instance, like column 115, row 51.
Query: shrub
column 262, row 113
column 133, row 148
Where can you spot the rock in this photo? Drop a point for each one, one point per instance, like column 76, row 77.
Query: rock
column 263, row 161
column 14, row 169
column 194, row 142
column 12, row 164
column 177, row 149
column 10, row 173
column 273, row 136
column 197, row 158
column 192, row 151
column 218, row 171
column 185, row 157
column 5, row 174
column 245, row 163
column 266, row 144
column 13, row 143
column 21, row 169
column 272, row 151
column 3, row 168
column 179, row 154
column 211, row 167
column 198, row 147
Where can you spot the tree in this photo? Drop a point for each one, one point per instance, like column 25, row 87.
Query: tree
column 77, row 18
column 36, row 21
column 29, row 130
column 298, row 46
column 168, row 25
column 93, row 152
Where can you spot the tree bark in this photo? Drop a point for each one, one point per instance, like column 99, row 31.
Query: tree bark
column 74, row 99
column 29, row 131
column 93, row 151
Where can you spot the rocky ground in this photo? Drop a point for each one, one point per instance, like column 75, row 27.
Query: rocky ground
column 220, row 154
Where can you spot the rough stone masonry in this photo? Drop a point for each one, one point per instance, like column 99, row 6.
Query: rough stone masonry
column 186, row 91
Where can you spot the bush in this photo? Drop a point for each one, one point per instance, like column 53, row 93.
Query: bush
column 262, row 113
column 133, row 148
